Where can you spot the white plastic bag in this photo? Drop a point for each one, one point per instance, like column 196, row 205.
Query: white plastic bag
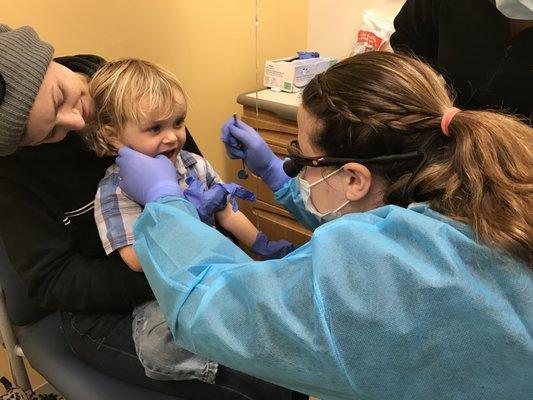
column 374, row 33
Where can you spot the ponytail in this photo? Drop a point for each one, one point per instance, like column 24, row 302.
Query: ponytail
column 484, row 179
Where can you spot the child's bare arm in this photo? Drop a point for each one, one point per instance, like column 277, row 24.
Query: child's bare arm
column 129, row 257
column 238, row 225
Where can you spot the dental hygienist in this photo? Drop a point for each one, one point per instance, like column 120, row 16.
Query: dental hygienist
column 417, row 284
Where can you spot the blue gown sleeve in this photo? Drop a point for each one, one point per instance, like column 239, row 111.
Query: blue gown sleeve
column 219, row 303
column 289, row 197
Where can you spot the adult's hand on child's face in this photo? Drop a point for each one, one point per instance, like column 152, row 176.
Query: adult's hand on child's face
column 146, row 179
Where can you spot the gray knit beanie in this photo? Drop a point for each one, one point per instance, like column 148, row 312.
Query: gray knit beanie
column 24, row 59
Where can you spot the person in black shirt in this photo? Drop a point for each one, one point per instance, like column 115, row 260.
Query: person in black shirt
column 483, row 54
column 48, row 179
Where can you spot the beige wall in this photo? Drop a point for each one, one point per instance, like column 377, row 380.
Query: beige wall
column 208, row 44
column 333, row 24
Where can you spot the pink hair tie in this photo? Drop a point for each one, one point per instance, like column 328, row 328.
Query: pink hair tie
column 447, row 118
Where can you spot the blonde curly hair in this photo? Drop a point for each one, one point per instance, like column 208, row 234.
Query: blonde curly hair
column 129, row 90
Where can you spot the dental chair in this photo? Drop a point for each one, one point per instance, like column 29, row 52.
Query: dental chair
column 41, row 341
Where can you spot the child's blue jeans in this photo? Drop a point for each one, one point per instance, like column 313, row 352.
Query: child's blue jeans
column 161, row 358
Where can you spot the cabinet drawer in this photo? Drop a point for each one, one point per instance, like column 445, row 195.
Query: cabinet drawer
column 269, row 121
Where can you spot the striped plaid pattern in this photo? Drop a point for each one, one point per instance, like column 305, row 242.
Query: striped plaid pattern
column 115, row 213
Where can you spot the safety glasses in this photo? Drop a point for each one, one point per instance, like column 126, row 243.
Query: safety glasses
column 297, row 160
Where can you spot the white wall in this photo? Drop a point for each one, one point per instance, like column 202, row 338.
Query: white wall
column 333, row 23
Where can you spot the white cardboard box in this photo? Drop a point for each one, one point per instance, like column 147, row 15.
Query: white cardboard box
column 292, row 76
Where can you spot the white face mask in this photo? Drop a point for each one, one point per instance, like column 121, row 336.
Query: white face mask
column 516, row 9
column 305, row 192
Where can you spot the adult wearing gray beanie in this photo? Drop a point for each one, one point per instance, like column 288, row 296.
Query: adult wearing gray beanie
column 48, row 180
column 24, row 59
column 42, row 100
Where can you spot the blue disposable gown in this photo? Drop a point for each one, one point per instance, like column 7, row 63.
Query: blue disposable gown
column 393, row 303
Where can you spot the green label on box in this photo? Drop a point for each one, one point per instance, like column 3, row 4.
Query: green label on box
column 287, row 86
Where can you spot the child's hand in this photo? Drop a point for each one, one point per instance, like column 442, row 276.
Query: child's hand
column 206, row 202
column 214, row 199
column 271, row 249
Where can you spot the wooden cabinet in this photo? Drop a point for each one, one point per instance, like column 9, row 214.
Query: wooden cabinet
column 265, row 213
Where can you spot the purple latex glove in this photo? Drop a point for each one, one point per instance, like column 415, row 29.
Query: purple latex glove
column 271, row 249
column 214, row 199
column 234, row 190
column 146, row 179
column 242, row 141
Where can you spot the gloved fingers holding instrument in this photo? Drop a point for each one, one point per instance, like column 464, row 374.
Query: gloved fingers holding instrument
column 243, row 142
